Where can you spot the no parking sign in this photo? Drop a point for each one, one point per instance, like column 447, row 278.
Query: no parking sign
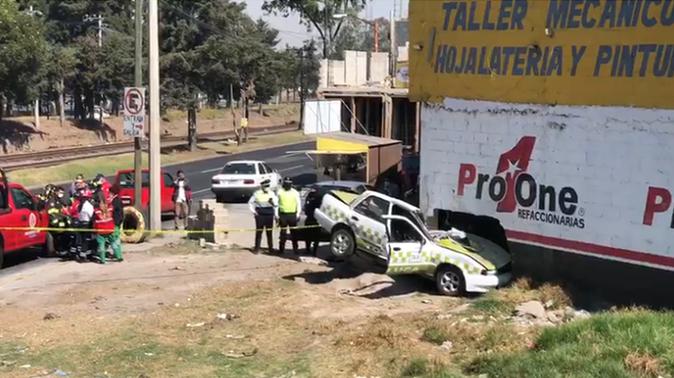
column 134, row 111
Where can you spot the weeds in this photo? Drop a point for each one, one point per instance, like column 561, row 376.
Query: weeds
column 434, row 335
column 422, row 368
column 493, row 306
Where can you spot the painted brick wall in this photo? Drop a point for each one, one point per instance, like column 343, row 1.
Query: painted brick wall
column 609, row 156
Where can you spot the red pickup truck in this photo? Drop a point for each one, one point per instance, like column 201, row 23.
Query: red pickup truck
column 19, row 208
column 124, row 180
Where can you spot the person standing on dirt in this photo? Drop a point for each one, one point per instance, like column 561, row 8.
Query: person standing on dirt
column 263, row 205
column 182, row 198
column 104, row 226
column 118, row 219
column 289, row 210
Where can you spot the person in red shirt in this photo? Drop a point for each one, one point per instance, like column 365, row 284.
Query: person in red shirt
column 104, row 227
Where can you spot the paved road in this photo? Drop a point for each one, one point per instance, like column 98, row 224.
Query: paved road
column 296, row 165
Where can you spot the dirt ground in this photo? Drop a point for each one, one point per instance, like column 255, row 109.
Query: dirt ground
column 179, row 310
column 19, row 134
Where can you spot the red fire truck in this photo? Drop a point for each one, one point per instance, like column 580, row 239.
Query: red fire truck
column 18, row 212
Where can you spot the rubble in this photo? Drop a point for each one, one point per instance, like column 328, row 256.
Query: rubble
column 536, row 313
column 226, row 316
column 50, row 316
column 531, row 310
column 447, row 345
column 313, row 260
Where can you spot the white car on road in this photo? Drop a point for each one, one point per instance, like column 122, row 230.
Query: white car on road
column 241, row 178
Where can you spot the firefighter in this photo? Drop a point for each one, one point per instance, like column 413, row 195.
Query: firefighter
column 104, row 225
column 289, row 209
column 47, row 193
column 59, row 219
column 263, row 205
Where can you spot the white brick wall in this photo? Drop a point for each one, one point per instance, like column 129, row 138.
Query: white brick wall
column 609, row 155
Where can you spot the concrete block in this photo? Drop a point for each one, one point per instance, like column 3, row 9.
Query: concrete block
column 379, row 67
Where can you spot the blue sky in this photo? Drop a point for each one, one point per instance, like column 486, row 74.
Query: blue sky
column 291, row 32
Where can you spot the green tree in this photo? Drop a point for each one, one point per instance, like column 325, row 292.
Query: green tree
column 22, row 55
column 317, row 14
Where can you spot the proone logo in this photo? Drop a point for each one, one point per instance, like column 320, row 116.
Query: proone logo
column 513, row 186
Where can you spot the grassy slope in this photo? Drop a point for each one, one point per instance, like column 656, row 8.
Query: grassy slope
column 620, row 344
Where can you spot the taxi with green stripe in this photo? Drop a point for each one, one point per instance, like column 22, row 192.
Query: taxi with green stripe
column 394, row 233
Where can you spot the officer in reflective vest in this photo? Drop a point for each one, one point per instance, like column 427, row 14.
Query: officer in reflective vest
column 289, row 213
column 263, row 204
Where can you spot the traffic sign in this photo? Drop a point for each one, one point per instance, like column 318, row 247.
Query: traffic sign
column 134, row 111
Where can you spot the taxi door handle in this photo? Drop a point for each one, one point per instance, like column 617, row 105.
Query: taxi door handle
column 24, row 218
column 354, row 219
column 396, row 249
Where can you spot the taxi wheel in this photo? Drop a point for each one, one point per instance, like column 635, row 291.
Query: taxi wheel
column 342, row 243
column 450, row 281
column 2, row 254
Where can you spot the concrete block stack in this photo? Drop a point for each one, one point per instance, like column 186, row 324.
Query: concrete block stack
column 211, row 218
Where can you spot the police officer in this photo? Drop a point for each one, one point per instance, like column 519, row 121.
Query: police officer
column 289, row 209
column 263, row 204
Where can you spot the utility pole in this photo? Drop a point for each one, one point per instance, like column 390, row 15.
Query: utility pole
column 394, row 48
column 99, row 21
column 327, row 44
column 301, row 127
column 138, row 82
column 155, row 147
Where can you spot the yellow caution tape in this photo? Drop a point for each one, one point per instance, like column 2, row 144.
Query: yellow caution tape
column 86, row 230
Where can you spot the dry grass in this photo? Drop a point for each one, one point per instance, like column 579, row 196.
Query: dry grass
column 643, row 365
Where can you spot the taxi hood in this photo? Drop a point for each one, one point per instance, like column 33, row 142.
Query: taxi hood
column 345, row 197
column 486, row 252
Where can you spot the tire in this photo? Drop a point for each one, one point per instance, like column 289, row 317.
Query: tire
column 342, row 243
column 450, row 281
column 220, row 198
column 2, row 253
column 48, row 248
column 133, row 226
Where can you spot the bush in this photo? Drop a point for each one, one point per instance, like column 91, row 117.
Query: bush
column 434, row 335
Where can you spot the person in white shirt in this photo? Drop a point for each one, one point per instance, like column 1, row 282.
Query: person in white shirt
column 182, row 198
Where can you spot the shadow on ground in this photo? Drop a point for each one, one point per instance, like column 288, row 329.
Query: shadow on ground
column 103, row 131
column 16, row 135
column 360, row 277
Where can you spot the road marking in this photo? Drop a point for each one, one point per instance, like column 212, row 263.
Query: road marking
column 201, row 191
column 292, row 168
column 211, row 170
column 286, row 156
